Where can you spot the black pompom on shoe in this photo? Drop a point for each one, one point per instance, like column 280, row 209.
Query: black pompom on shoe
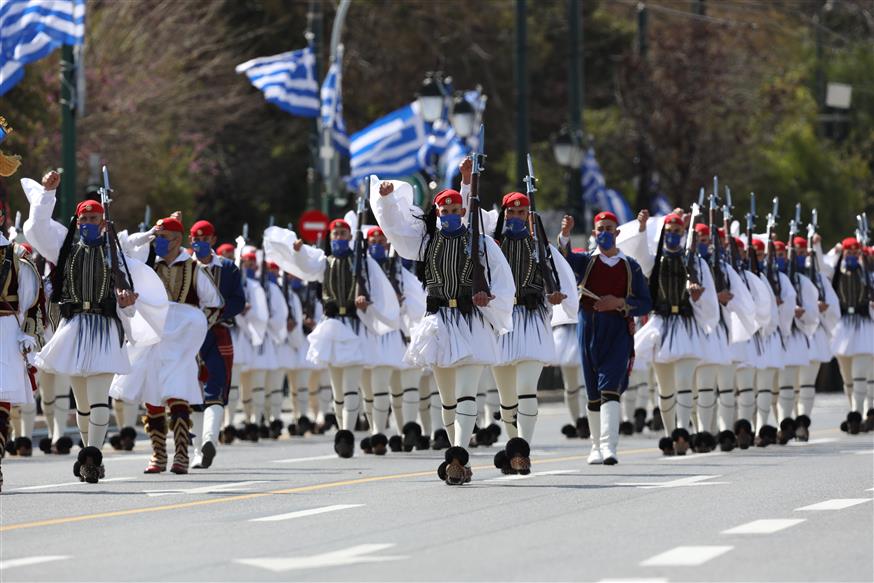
column 583, row 430
column 379, row 443
column 395, row 443
column 743, row 430
column 787, row 431
column 868, row 425
column 456, row 459
column 639, row 420
column 626, row 428
column 275, row 429
column 441, row 440
column 569, row 431
column 666, row 444
column 412, row 432
column 495, row 430
column 703, row 442
column 682, row 441
column 63, row 445
column 727, row 440
column 854, row 422
column 344, row 443
column 519, row 452
column 228, row 435
column 366, row 445
column 767, row 436
column 304, row 425
column 802, row 428
column 423, row 443
column 90, row 459
column 441, row 471
column 502, row 462
column 24, row 446
column 45, row 445
column 115, row 442
column 128, row 438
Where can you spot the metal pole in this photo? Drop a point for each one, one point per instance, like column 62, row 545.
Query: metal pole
column 314, row 35
column 643, row 164
column 521, row 90
column 575, row 202
column 331, row 166
column 819, row 89
column 68, row 132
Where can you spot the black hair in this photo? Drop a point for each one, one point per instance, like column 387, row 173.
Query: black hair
column 58, row 273
column 654, row 275
column 499, row 227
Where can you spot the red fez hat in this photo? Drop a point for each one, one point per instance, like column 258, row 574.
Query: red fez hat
column 447, row 196
column 759, row 244
column 88, row 206
column 779, row 246
column 202, row 229
column 605, row 216
column 673, row 219
column 868, row 250
column 702, row 229
column 249, row 257
column 739, row 242
column 225, row 248
column 850, row 243
column 374, row 232
column 800, row 242
column 720, row 232
column 170, row 224
column 271, row 265
column 339, row 223
column 578, row 250
column 515, row 199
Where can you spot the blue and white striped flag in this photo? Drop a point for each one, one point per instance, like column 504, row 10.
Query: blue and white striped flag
column 332, row 107
column 288, row 80
column 31, row 29
column 661, row 205
column 389, row 146
column 596, row 194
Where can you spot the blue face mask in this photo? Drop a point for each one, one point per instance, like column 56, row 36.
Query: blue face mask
column 450, row 223
column 800, row 262
column 89, row 233
column 761, row 266
column 250, row 272
column 271, row 277
column 780, row 262
column 606, row 240
column 672, row 241
column 516, row 228
column 162, row 246
column 296, row 284
column 377, row 251
column 704, row 250
column 340, row 246
column 851, row 261
column 201, row 249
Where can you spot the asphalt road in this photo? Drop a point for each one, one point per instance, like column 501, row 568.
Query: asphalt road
column 291, row 510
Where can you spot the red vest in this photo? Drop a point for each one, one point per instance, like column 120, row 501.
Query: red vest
column 603, row 280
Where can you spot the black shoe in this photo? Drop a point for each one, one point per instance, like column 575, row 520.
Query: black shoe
column 228, row 435
column 24, row 446
column 569, row 431
column 767, row 436
column 264, row 431
column 379, row 442
column 115, row 442
column 502, row 462
column 639, row 420
column 208, row 453
column 666, row 444
column 456, row 459
column 366, row 446
column 45, row 445
column 441, row 440
column 854, row 422
column 626, row 428
column 128, row 437
column 656, row 424
column 682, row 441
column 423, row 443
column 330, row 421
column 361, row 424
column 275, row 429
column 90, row 460
column 304, row 425
column 787, row 431
column 395, row 443
column 583, row 430
column 412, row 433
column 703, row 442
column 344, row 444
column 743, row 430
column 63, row 445
column 519, row 452
column 252, row 432
column 727, row 440
column 293, row 430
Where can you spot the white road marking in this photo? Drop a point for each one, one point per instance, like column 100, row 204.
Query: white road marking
column 691, row 556
column 764, row 526
column 76, row 483
column 858, row 451
column 350, row 556
column 685, row 458
column 125, row 458
column 303, row 513
column 223, row 488
column 656, row 580
column 835, row 504
column 514, row 477
column 678, row 483
column 295, row 460
column 812, row 441
column 26, row 561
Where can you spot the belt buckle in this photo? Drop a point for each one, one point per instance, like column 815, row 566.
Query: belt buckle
column 342, row 311
column 851, row 310
column 86, row 305
column 675, row 309
column 453, row 303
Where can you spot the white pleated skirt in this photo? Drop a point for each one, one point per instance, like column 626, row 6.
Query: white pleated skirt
column 14, row 382
column 448, row 338
column 530, row 339
column 386, row 350
column 820, row 346
column 85, row 345
column 853, row 335
column 337, row 342
column 567, row 346
column 672, row 338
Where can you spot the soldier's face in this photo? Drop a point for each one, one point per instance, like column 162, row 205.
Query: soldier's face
column 760, row 254
column 247, row 264
column 174, row 240
column 451, row 209
column 90, row 219
column 703, row 239
column 676, row 229
column 780, row 253
column 518, row 212
column 341, row 234
column 800, row 251
column 378, row 240
column 854, row 252
column 228, row 255
column 209, row 239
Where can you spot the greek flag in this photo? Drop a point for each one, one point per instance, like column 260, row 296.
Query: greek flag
column 596, row 194
column 389, row 146
column 287, row 80
column 31, row 29
column 661, row 205
column 444, row 145
column 332, row 108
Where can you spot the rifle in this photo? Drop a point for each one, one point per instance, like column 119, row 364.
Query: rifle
column 810, row 262
column 542, row 253
column 359, row 255
column 791, row 255
column 733, row 251
column 122, row 279
column 720, row 278
column 692, row 246
column 751, row 249
column 862, row 236
column 770, row 269
column 480, row 282
column 147, row 219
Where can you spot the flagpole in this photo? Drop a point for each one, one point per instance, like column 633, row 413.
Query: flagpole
column 330, row 163
column 521, row 90
column 314, row 36
column 68, row 132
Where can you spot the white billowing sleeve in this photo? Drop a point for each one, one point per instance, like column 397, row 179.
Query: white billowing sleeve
column 307, row 264
column 786, row 310
column 136, row 244
column 277, row 326
column 254, row 322
column 827, row 261
column 706, row 309
column 415, row 300
column 28, row 288
column 741, row 308
column 396, row 217
column 774, row 320
column 761, row 300
column 636, row 245
column 568, row 282
column 809, row 320
column 832, row 315
column 296, row 336
column 383, row 315
column 145, row 325
column 499, row 312
column 45, row 235
column 207, row 293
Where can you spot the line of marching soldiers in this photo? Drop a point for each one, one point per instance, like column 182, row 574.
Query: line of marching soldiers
column 434, row 324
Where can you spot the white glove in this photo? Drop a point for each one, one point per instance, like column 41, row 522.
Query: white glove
column 140, row 239
column 26, row 342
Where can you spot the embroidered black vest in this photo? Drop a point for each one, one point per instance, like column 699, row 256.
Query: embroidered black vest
column 852, row 292
column 673, row 297
column 338, row 288
column 448, row 267
column 87, row 282
column 526, row 275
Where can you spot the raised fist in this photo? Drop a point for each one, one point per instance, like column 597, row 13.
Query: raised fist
column 51, row 180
